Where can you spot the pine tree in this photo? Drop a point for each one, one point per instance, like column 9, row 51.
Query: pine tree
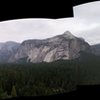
column 13, row 91
column 1, row 92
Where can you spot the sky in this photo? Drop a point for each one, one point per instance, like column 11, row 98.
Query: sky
column 88, row 17
column 85, row 24
column 23, row 29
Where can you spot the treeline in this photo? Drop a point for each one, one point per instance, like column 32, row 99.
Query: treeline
column 37, row 79
column 89, row 69
column 48, row 78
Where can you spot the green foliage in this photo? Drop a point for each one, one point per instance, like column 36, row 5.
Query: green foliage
column 48, row 78
column 13, row 92
column 89, row 69
column 2, row 93
column 38, row 79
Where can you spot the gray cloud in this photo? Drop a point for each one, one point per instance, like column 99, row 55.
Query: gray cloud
column 85, row 23
column 22, row 29
column 88, row 16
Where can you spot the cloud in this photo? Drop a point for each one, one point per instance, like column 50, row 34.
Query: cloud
column 88, row 18
column 85, row 24
column 22, row 29
column 88, row 11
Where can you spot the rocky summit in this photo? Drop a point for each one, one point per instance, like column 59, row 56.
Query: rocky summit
column 61, row 47
column 65, row 46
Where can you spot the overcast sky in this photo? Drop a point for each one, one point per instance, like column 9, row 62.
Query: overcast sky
column 88, row 17
column 22, row 29
column 85, row 23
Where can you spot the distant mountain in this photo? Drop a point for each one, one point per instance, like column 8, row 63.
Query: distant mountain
column 61, row 47
column 7, row 49
column 96, row 49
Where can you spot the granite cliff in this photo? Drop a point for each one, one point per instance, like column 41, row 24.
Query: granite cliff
column 61, row 47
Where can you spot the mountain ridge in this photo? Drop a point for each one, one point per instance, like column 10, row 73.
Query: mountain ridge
column 96, row 49
column 65, row 46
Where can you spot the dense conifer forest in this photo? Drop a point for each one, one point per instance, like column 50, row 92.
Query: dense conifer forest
column 28, row 79
column 37, row 79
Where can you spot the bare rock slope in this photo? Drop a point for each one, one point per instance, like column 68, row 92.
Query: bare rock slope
column 7, row 50
column 65, row 46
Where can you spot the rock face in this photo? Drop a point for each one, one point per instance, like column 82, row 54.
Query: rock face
column 7, row 50
column 96, row 49
column 65, row 46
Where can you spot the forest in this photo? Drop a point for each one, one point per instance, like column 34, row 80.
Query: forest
column 42, row 79
column 37, row 79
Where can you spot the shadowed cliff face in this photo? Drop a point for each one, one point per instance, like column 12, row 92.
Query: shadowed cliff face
column 96, row 49
column 65, row 46
column 7, row 49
